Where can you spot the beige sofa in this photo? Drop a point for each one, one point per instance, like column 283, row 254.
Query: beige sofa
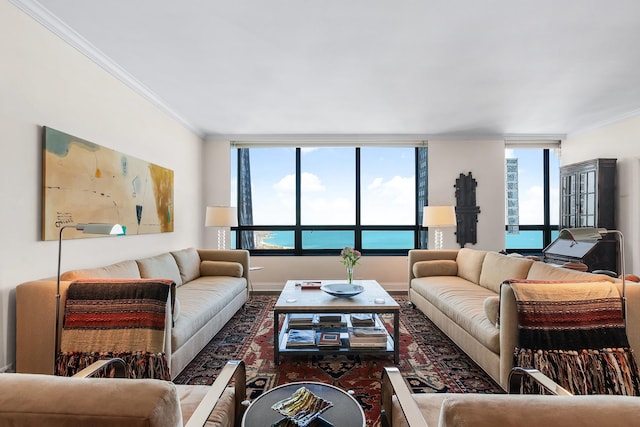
column 211, row 287
column 52, row 401
column 402, row 408
column 461, row 292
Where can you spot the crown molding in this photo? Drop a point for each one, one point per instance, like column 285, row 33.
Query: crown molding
column 48, row 20
column 373, row 139
column 612, row 121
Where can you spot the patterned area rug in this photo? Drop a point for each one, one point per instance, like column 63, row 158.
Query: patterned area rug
column 429, row 360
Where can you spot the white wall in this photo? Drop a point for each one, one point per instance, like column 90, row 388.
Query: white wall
column 485, row 161
column 45, row 82
column 447, row 159
column 619, row 141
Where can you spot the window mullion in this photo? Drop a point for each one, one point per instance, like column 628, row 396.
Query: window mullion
column 298, row 230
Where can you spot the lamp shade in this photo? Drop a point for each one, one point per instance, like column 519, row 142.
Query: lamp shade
column 100, row 228
column 439, row 216
column 221, row 216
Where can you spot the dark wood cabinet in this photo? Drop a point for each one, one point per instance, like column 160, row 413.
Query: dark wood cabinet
column 587, row 194
column 588, row 199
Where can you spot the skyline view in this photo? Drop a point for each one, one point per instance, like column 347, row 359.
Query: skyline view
column 387, row 190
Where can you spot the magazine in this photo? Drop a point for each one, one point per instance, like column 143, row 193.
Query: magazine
column 301, row 338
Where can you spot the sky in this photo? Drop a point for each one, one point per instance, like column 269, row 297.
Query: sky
column 388, row 185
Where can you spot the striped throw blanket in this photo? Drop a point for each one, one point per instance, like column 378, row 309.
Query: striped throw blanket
column 124, row 318
column 575, row 334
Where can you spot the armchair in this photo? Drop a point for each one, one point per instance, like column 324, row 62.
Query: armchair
column 400, row 407
column 37, row 399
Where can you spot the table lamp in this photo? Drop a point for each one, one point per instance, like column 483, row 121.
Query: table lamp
column 221, row 217
column 439, row 217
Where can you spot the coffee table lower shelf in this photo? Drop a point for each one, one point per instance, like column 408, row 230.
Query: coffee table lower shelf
column 280, row 338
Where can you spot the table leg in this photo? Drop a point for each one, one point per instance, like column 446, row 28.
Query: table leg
column 276, row 337
column 396, row 337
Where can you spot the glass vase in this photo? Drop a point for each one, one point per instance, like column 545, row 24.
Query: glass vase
column 350, row 274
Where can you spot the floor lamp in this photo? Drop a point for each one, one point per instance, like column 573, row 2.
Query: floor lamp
column 591, row 233
column 221, row 216
column 95, row 228
column 439, row 217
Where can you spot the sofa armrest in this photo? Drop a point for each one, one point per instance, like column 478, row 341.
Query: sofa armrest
column 394, row 385
column 118, row 365
column 234, row 371
column 234, row 255
column 518, row 374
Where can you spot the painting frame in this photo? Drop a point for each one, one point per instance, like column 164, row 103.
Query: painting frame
column 83, row 182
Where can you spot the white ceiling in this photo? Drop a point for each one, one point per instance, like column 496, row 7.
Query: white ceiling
column 464, row 68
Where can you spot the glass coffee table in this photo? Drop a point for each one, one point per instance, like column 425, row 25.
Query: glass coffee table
column 295, row 301
column 345, row 412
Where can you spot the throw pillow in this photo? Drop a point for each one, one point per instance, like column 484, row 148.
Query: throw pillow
column 435, row 268
column 491, row 309
column 221, row 268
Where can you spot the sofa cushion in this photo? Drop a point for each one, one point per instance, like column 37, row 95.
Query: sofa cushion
column 462, row 302
column 121, row 270
column 160, row 266
column 435, row 268
column 496, row 268
column 188, row 261
column 543, row 271
column 53, row 401
column 221, row 268
column 492, row 308
column 200, row 301
column 470, row 264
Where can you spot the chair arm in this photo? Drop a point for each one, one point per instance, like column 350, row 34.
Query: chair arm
column 518, row 374
column 234, row 370
column 119, row 367
column 393, row 384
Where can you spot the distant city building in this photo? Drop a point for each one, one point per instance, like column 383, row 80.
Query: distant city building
column 513, row 204
column 423, row 184
column 247, row 240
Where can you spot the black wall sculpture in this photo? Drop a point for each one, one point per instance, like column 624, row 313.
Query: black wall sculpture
column 466, row 210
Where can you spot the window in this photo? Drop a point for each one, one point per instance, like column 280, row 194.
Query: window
column 316, row 200
column 531, row 217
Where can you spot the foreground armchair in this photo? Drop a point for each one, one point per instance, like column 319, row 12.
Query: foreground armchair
column 52, row 401
column 400, row 407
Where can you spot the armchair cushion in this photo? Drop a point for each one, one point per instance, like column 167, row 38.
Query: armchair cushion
column 47, row 400
column 535, row 410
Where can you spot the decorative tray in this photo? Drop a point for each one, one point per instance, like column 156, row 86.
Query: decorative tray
column 342, row 289
column 302, row 407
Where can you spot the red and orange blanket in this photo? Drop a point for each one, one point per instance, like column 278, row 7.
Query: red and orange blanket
column 125, row 318
column 575, row 334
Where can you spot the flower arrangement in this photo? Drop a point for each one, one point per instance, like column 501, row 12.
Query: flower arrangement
column 349, row 257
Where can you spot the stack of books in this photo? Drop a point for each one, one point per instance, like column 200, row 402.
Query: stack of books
column 362, row 319
column 302, row 320
column 331, row 320
column 329, row 339
column 375, row 337
column 297, row 338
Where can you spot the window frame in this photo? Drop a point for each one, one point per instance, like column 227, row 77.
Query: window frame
column 358, row 228
column 546, row 228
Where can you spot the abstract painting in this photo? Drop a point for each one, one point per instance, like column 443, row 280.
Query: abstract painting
column 84, row 182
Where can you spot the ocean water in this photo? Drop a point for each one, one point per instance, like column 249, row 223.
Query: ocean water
column 383, row 239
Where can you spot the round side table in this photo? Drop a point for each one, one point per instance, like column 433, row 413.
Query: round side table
column 345, row 412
